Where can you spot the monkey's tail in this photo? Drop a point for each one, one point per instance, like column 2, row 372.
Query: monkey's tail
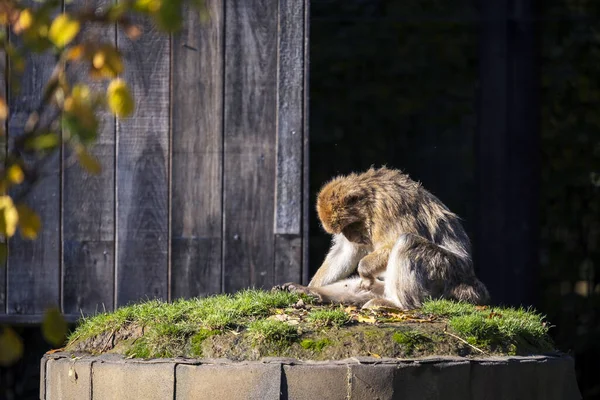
column 473, row 292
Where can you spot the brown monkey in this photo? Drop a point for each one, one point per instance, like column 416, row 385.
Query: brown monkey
column 402, row 241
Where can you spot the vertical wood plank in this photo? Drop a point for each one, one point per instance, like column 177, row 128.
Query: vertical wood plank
column 290, row 109
column 89, row 206
column 142, row 171
column 197, row 150
column 306, row 200
column 290, row 119
column 33, row 278
column 288, row 258
column 3, row 92
column 249, row 143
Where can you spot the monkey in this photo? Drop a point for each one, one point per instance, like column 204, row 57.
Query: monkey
column 394, row 244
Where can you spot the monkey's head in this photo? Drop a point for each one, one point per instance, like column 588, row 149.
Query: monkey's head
column 343, row 207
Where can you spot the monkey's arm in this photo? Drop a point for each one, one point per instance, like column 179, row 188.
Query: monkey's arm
column 341, row 261
column 373, row 265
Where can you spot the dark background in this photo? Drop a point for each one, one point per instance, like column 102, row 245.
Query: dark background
column 495, row 107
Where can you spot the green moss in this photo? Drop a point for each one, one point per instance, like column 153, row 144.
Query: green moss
column 199, row 338
column 315, row 345
column 410, row 339
column 326, row 317
column 272, row 331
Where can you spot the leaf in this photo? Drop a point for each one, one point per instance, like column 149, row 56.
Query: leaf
column 350, row 309
column 147, row 5
column 63, row 30
column 119, row 98
column 369, row 319
column 9, row 217
column 45, row 141
column 15, row 174
column 169, row 16
column 24, row 22
column 3, row 109
column 88, row 161
column 106, row 62
column 30, row 223
column 54, row 327
column 132, row 31
column 75, row 52
column 11, row 346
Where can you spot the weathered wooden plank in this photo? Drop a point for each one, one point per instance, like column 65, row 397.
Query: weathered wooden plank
column 142, row 171
column 4, row 128
column 33, row 319
column 288, row 258
column 33, row 276
column 306, row 200
column 249, row 143
column 197, row 154
column 290, row 113
column 89, row 206
column 290, row 143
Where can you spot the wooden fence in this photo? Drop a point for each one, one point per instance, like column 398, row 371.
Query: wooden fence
column 202, row 191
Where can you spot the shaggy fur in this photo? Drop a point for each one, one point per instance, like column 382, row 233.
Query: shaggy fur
column 402, row 241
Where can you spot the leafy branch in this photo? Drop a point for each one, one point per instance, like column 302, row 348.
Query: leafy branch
column 68, row 114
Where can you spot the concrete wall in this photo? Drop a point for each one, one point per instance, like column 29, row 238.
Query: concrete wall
column 66, row 377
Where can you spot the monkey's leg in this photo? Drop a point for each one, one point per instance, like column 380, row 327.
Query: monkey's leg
column 418, row 269
column 372, row 265
column 346, row 291
column 341, row 262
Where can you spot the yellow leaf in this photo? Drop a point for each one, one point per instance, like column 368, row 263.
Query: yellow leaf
column 25, row 20
column 147, row 5
column 88, row 161
column 29, row 222
column 9, row 217
column 54, row 327
column 11, row 346
column 63, row 30
column 98, row 59
column 350, row 309
column 43, row 142
column 15, row 174
column 3, row 109
column 81, row 92
column 367, row 319
column 106, row 62
column 76, row 52
column 119, row 98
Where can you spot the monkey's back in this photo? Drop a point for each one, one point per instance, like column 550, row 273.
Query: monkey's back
column 401, row 205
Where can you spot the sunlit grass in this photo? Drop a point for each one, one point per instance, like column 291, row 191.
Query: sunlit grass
column 182, row 327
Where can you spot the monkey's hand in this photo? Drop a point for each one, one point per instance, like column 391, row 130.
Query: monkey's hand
column 366, row 283
column 297, row 288
column 371, row 266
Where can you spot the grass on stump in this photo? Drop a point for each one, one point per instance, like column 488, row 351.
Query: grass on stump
column 253, row 323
